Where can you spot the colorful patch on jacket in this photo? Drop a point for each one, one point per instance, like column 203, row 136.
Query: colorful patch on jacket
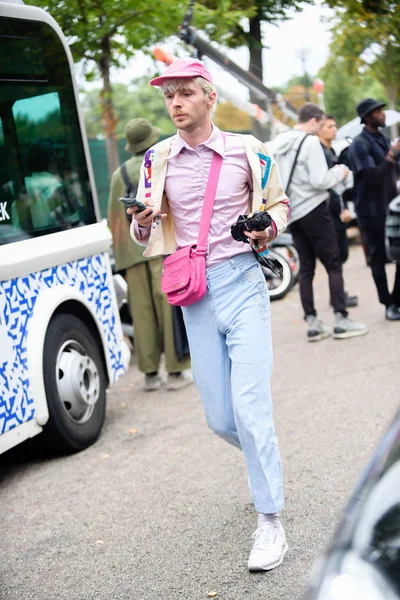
column 148, row 163
column 265, row 162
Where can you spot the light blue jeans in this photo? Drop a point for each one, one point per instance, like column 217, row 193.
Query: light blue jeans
column 229, row 334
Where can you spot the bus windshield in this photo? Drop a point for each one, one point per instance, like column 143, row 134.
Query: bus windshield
column 44, row 183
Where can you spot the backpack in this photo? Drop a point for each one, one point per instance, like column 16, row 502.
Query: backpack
column 344, row 158
column 131, row 188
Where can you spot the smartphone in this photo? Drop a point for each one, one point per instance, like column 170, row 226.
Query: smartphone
column 133, row 202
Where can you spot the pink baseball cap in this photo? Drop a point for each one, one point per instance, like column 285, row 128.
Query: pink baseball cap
column 183, row 68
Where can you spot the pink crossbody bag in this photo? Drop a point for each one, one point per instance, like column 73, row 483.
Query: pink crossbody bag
column 184, row 272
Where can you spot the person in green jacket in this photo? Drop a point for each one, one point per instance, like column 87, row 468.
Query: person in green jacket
column 152, row 315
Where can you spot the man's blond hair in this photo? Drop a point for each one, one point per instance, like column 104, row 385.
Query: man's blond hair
column 181, row 84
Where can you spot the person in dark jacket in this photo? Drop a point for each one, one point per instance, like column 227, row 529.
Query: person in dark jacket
column 375, row 163
column 337, row 201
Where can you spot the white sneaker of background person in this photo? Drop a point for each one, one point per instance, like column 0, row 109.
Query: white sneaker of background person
column 346, row 328
column 152, row 382
column 316, row 329
column 270, row 544
column 178, row 381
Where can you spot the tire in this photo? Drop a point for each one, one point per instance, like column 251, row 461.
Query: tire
column 278, row 286
column 75, row 385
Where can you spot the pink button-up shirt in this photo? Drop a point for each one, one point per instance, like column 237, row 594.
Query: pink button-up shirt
column 185, row 186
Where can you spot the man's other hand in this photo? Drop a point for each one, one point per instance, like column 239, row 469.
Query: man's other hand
column 345, row 216
column 262, row 237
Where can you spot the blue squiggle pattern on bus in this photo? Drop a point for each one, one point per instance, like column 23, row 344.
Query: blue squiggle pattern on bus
column 18, row 297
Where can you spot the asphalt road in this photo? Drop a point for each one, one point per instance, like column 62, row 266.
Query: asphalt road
column 159, row 508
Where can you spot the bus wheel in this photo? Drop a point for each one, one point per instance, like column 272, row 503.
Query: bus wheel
column 75, row 385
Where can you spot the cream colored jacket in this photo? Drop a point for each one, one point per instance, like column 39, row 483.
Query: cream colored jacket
column 266, row 184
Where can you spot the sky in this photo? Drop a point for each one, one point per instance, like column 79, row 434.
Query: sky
column 306, row 31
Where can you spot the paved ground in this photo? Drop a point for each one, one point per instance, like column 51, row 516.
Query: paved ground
column 159, row 508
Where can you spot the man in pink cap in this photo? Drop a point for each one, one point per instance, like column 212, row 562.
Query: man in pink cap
column 228, row 328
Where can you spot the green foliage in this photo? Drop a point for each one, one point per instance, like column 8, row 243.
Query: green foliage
column 137, row 100
column 339, row 95
column 118, row 29
column 226, row 21
column 343, row 91
column 293, row 81
column 230, row 118
column 366, row 41
column 102, row 33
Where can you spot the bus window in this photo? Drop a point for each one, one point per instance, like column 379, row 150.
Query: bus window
column 6, row 193
column 44, row 183
column 3, row 175
column 54, row 196
column 61, row 341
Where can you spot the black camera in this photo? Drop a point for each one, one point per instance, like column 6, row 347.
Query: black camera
column 258, row 221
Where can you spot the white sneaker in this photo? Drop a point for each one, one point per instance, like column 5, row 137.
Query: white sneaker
column 316, row 329
column 269, row 546
column 178, row 381
column 152, row 382
column 346, row 328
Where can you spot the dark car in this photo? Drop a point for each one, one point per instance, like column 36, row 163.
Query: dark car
column 363, row 559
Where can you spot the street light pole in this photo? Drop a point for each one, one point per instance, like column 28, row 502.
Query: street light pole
column 302, row 55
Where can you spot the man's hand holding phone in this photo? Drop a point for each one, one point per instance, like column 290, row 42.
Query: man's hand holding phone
column 142, row 212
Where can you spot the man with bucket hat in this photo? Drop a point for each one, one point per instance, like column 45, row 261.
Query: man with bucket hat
column 151, row 313
column 140, row 135
column 375, row 164
column 229, row 326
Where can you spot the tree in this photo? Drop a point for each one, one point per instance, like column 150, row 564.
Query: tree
column 366, row 41
column 299, row 90
column 103, row 34
column 247, row 30
column 228, row 117
column 339, row 93
column 343, row 90
column 137, row 99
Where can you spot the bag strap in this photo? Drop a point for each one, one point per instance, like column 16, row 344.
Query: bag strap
column 131, row 188
column 294, row 162
column 209, row 197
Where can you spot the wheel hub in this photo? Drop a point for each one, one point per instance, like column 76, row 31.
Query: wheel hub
column 78, row 381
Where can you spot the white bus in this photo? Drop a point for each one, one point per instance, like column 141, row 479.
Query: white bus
column 61, row 342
